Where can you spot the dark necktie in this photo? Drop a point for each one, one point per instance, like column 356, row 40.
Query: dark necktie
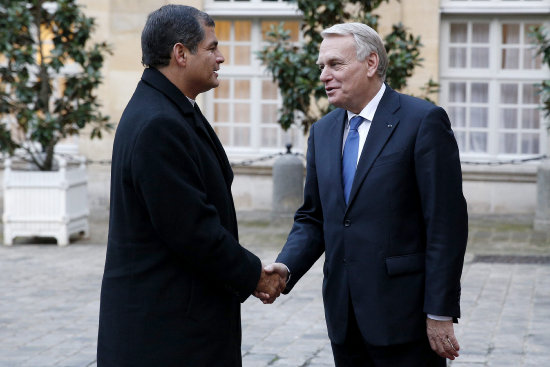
column 349, row 158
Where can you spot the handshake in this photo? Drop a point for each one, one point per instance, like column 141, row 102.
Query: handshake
column 272, row 282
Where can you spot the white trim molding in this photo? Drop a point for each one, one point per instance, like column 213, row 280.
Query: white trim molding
column 495, row 7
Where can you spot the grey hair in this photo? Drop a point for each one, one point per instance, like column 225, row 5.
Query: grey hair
column 169, row 25
column 367, row 41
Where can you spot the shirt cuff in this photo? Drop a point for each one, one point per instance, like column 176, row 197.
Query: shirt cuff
column 440, row 318
column 288, row 273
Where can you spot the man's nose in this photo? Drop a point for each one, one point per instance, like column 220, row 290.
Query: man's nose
column 325, row 75
column 219, row 58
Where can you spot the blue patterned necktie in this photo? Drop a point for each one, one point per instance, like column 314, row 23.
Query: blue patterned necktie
column 349, row 158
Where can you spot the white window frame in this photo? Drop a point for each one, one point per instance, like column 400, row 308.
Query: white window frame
column 251, row 8
column 495, row 6
column 493, row 75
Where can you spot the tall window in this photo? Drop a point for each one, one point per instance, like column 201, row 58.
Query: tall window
column 243, row 109
column 489, row 69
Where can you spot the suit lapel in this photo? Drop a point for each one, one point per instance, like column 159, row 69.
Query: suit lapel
column 382, row 127
column 329, row 154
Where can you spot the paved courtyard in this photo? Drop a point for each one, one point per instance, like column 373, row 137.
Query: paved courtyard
column 49, row 301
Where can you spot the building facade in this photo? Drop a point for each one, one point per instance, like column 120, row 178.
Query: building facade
column 478, row 50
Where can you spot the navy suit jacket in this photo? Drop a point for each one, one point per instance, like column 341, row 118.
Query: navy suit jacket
column 174, row 273
column 397, row 249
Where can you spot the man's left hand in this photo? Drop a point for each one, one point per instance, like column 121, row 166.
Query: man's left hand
column 442, row 338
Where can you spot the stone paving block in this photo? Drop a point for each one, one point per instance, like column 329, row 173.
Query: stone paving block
column 258, row 360
column 52, row 311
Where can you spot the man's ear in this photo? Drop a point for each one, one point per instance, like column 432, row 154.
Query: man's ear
column 372, row 64
column 180, row 54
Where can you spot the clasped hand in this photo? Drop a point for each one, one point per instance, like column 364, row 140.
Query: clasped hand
column 272, row 282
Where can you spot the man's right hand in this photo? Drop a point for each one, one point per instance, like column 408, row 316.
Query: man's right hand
column 270, row 286
column 272, row 282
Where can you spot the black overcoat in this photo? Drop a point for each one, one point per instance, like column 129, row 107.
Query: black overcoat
column 175, row 274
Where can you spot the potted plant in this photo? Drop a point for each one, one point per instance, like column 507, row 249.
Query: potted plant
column 49, row 73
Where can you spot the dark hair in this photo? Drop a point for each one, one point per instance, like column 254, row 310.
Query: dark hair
column 169, row 25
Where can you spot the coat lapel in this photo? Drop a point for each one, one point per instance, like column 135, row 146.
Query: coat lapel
column 204, row 126
column 382, row 127
column 158, row 81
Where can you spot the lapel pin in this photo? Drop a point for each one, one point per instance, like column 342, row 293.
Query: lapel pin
column 390, row 126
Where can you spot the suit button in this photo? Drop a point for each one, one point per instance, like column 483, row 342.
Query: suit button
column 347, row 223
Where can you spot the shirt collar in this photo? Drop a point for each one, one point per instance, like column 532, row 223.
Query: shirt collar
column 370, row 109
column 191, row 100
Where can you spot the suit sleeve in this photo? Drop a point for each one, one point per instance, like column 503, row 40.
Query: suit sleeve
column 305, row 243
column 170, row 184
column 439, row 179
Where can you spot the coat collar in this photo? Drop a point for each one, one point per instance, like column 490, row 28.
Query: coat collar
column 158, row 81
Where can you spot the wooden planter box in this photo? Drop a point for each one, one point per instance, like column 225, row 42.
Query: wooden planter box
column 45, row 204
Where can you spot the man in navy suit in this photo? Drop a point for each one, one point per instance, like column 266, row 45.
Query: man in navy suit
column 175, row 273
column 383, row 201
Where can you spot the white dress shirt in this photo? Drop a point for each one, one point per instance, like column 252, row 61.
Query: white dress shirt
column 368, row 114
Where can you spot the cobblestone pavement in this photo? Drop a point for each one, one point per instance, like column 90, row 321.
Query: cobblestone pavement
column 49, row 301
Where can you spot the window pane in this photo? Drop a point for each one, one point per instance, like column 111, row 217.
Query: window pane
column 509, row 93
column 269, row 89
column 221, row 112
column 530, row 118
column 530, row 94
column 289, row 25
column 242, row 112
column 478, row 142
column 226, row 52
column 509, row 118
column 508, row 143
column 480, row 93
column 242, row 30
column 457, row 57
column 529, row 143
column 480, row 33
column 510, row 33
column 270, row 137
column 291, row 136
column 457, row 116
column 531, row 60
column 294, row 28
column 242, row 137
column 269, row 113
column 510, row 58
column 480, row 57
column 457, row 92
column 222, row 91
column 459, row 32
column 242, row 89
column 528, row 28
column 242, row 55
column 223, row 30
column 460, row 139
column 224, row 134
column 479, row 117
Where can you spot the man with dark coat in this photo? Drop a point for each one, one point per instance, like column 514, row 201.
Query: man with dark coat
column 175, row 274
column 383, row 201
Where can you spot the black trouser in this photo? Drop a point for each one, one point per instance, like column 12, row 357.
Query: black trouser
column 356, row 353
